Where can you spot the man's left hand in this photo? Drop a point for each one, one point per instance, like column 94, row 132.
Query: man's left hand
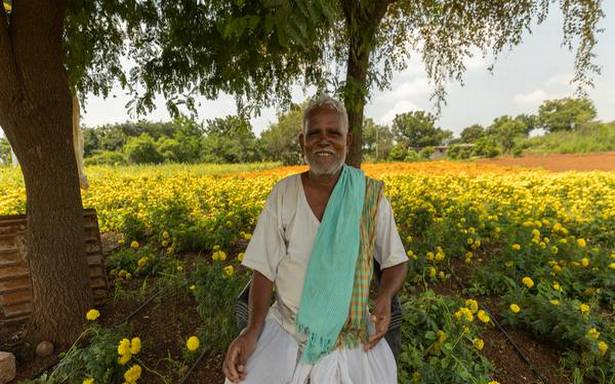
column 381, row 317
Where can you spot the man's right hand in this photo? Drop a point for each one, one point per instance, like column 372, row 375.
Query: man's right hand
column 237, row 355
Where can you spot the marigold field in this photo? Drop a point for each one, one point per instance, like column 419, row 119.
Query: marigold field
column 531, row 250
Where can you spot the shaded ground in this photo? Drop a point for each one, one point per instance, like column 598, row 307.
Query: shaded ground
column 559, row 162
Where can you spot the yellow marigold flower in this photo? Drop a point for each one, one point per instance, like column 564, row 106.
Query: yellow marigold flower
column 92, row 314
column 193, row 343
column 439, row 256
column 89, row 380
column 585, row 262
column 121, row 241
column 441, row 336
column 584, row 308
column 470, row 241
column 123, row 347
column 557, row 268
column 193, row 287
column 483, row 316
column 229, row 270
column 554, row 302
column 527, row 281
column 515, row 308
column 465, row 313
column 132, row 374
column 134, row 244
column 441, row 275
column 430, row 256
column 593, row 334
column 494, row 382
column 478, row 343
column 142, row 261
column 122, row 360
column 535, row 233
column 165, row 243
column 247, row 236
column 516, row 247
column 219, row 256
column 240, row 256
column 432, row 272
column 602, row 347
column 472, row 304
column 216, row 247
column 416, row 377
column 612, row 266
column 165, row 235
column 554, row 249
column 581, row 243
column 135, row 345
column 556, row 286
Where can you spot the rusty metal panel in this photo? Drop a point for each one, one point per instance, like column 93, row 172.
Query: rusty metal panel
column 15, row 288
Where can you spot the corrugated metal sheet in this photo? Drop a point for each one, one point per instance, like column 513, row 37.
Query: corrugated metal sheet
column 15, row 290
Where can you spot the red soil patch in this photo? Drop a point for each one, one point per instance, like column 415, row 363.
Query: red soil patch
column 560, row 162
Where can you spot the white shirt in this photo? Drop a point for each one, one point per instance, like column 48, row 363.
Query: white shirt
column 282, row 243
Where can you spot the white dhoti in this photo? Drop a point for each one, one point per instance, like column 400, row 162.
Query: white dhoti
column 276, row 360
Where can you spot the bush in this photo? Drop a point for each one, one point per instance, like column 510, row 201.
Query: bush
column 517, row 151
column 106, row 158
column 426, row 152
column 214, row 285
column 437, row 346
column 142, row 150
column 412, row 156
column 486, row 147
column 458, row 152
column 398, row 152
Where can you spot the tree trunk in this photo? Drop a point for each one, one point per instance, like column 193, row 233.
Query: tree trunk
column 362, row 22
column 36, row 115
column 355, row 95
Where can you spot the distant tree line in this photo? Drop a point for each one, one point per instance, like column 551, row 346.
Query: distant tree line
column 410, row 136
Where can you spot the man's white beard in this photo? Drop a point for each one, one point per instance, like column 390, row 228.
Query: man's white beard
column 323, row 170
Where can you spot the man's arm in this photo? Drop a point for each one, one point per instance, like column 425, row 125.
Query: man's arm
column 261, row 293
column 391, row 282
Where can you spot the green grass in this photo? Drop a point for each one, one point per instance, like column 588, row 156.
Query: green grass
column 594, row 137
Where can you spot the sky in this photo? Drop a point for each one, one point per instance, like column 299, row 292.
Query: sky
column 538, row 69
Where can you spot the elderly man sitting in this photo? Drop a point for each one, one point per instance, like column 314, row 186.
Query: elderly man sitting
column 315, row 242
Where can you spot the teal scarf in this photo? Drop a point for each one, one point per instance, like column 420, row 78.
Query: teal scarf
column 327, row 289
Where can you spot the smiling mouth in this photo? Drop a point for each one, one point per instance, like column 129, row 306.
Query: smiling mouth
column 324, row 154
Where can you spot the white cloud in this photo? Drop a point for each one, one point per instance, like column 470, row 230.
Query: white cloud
column 401, row 106
column 531, row 98
column 408, row 89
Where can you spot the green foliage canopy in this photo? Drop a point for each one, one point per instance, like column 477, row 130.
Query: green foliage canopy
column 565, row 114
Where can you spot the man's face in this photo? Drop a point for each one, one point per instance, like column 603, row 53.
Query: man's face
column 325, row 142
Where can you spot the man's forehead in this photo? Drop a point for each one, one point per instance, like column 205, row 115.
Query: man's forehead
column 324, row 115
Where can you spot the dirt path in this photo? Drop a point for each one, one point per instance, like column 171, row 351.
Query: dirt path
column 560, row 162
